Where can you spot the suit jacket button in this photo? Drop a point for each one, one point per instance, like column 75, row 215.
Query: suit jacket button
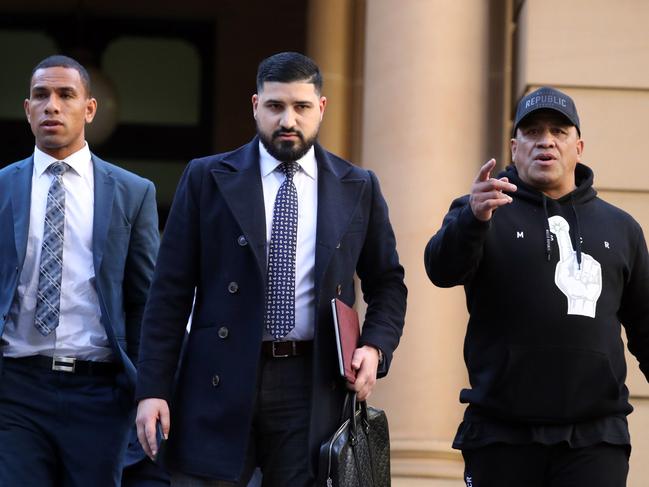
column 233, row 287
column 216, row 380
column 338, row 245
column 242, row 241
column 339, row 289
column 223, row 332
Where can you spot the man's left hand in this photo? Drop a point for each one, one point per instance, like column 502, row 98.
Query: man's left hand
column 365, row 362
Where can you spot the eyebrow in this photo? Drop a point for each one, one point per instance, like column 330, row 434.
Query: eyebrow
column 56, row 88
column 282, row 102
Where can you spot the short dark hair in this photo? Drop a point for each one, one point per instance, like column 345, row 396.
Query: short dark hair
column 61, row 61
column 286, row 67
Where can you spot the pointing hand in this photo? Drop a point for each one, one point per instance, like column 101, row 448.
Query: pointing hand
column 487, row 192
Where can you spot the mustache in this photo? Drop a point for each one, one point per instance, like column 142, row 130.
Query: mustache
column 279, row 132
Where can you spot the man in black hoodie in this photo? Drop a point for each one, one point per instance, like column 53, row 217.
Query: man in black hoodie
column 549, row 278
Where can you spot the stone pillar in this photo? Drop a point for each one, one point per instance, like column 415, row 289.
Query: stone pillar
column 424, row 126
column 330, row 42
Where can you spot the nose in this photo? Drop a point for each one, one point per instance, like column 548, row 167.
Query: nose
column 52, row 105
column 546, row 139
column 288, row 119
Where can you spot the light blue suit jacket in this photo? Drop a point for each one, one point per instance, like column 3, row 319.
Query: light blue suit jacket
column 125, row 245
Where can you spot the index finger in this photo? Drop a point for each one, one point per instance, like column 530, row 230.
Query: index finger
column 150, row 433
column 141, row 436
column 485, row 170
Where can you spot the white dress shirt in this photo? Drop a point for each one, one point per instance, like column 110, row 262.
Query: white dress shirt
column 306, row 183
column 80, row 333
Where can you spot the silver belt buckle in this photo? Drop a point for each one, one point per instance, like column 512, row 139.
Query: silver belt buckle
column 63, row 364
column 283, row 355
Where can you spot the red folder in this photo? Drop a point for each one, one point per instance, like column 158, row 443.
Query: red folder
column 348, row 332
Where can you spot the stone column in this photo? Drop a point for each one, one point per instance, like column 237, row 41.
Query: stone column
column 424, row 126
column 330, row 42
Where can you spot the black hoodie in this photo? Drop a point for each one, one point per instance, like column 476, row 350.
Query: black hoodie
column 547, row 284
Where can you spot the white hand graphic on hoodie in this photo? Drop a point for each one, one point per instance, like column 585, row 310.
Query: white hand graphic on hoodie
column 582, row 286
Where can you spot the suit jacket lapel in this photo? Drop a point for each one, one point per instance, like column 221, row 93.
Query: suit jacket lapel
column 21, row 190
column 103, row 208
column 239, row 179
column 338, row 198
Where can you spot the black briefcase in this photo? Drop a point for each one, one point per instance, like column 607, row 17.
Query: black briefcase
column 358, row 453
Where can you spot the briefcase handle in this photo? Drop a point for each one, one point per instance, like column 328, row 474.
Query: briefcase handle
column 356, row 411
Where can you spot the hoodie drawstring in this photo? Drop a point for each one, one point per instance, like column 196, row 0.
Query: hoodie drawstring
column 548, row 238
column 577, row 232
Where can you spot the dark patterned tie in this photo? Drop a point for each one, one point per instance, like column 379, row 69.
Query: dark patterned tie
column 48, row 300
column 280, row 286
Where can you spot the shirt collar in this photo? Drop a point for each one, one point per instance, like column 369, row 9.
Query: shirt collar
column 80, row 161
column 268, row 163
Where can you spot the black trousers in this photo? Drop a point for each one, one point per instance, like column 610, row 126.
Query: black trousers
column 503, row 465
column 145, row 474
column 279, row 440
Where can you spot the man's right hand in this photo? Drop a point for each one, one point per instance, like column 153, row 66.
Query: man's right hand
column 149, row 411
column 487, row 192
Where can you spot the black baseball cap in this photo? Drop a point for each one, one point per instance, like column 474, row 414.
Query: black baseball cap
column 546, row 98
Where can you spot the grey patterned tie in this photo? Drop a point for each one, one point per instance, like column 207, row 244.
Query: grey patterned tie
column 280, row 286
column 48, row 300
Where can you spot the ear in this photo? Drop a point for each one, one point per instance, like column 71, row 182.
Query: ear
column 91, row 109
column 513, row 146
column 580, row 149
column 27, row 113
column 255, row 104
column 322, row 105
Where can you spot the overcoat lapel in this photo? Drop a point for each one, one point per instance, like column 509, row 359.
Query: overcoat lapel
column 239, row 180
column 21, row 190
column 103, row 208
column 338, row 198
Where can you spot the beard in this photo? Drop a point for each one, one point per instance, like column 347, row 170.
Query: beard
column 286, row 150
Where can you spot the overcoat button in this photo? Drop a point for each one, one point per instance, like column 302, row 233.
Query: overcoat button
column 224, row 332
column 242, row 241
column 216, row 380
column 339, row 289
column 233, row 287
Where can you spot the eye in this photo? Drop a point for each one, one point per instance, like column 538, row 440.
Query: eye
column 68, row 94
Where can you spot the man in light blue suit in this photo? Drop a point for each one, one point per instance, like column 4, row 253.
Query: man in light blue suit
column 78, row 242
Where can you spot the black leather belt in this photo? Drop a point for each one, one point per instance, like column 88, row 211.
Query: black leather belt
column 286, row 349
column 68, row 365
